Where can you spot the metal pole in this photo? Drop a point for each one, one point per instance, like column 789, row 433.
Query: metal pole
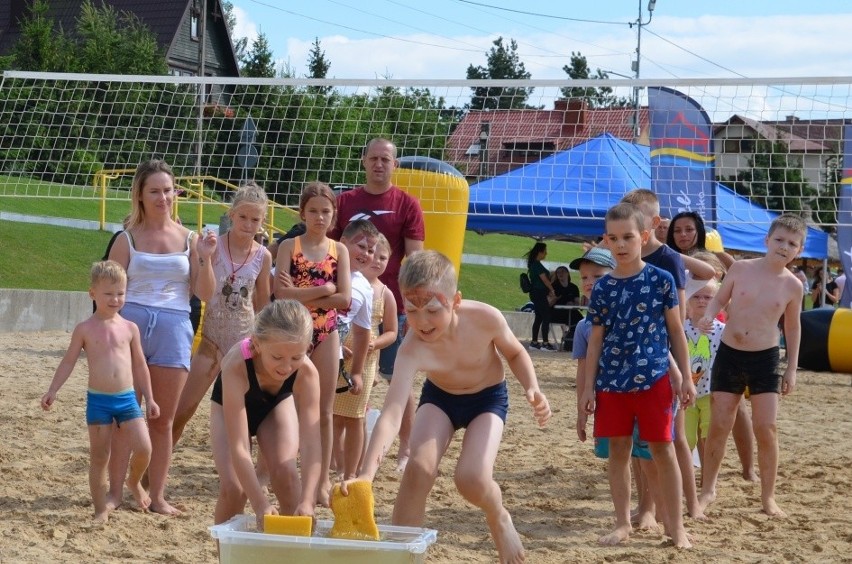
column 637, row 128
column 202, row 87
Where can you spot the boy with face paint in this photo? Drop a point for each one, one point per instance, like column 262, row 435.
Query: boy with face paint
column 458, row 344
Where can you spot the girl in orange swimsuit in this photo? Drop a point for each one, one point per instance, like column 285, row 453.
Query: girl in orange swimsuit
column 314, row 270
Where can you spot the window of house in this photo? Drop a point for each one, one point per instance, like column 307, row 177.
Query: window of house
column 193, row 27
column 739, row 146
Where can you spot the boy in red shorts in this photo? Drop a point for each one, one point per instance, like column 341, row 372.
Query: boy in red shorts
column 635, row 320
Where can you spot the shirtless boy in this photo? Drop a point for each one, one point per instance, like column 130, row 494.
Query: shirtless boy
column 757, row 292
column 116, row 366
column 458, row 344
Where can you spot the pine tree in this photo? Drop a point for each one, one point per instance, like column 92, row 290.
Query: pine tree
column 503, row 62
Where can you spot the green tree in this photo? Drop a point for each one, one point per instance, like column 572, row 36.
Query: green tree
column 318, row 66
column 502, row 63
column 42, row 46
column 259, row 61
column 602, row 97
column 773, row 179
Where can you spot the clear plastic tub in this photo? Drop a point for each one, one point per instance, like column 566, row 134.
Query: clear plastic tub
column 240, row 543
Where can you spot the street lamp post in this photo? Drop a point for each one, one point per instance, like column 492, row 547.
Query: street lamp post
column 635, row 65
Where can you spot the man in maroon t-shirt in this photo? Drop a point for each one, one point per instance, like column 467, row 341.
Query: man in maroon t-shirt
column 398, row 216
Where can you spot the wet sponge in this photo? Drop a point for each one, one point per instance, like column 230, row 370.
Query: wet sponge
column 354, row 517
column 296, row 525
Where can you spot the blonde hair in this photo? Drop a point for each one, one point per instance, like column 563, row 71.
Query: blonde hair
column 108, row 271
column 317, row 189
column 712, row 260
column 250, row 193
column 285, row 320
column 144, row 171
column 644, row 199
column 428, row 269
column 383, row 243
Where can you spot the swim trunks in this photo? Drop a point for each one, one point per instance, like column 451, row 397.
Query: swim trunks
column 103, row 408
column 464, row 408
column 734, row 370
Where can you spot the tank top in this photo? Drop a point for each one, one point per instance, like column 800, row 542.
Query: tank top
column 229, row 315
column 158, row 280
column 258, row 403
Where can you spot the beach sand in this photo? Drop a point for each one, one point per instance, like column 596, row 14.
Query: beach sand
column 553, row 486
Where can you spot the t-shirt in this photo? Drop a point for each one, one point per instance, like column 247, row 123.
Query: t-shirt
column 635, row 351
column 669, row 260
column 702, row 353
column 581, row 338
column 396, row 214
column 360, row 310
column 565, row 294
column 536, row 270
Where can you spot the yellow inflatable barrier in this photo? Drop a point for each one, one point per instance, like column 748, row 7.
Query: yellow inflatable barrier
column 826, row 334
column 444, row 196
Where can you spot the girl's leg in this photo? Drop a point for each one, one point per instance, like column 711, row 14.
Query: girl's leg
column 166, row 384
column 202, row 372
column 278, row 440
column 232, row 498
column 99, row 443
column 430, row 438
column 353, row 445
column 326, row 357
column 474, row 478
column 686, row 467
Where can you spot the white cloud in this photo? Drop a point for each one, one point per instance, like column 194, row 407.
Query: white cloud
column 244, row 27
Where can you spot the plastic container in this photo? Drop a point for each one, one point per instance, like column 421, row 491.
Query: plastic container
column 240, row 543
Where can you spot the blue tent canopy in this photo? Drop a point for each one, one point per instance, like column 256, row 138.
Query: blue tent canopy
column 569, row 193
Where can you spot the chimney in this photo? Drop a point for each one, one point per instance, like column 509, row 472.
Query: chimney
column 574, row 120
column 792, row 119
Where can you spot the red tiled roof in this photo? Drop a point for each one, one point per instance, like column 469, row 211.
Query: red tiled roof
column 559, row 129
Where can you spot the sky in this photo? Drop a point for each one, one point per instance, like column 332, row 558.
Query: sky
column 438, row 39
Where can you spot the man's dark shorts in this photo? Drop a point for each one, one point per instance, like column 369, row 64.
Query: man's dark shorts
column 735, row 369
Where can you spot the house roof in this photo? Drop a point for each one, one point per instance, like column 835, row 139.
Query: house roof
column 568, row 124
column 773, row 131
column 163, row 17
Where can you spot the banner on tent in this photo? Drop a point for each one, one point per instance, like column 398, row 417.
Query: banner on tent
column 682, row 158
column 844, row 215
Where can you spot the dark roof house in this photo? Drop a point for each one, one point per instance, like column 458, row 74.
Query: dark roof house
column 175, row 23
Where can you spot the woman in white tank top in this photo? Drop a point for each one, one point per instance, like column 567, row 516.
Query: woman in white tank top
column 166, row 263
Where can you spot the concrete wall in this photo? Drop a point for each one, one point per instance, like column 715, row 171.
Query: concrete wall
column 23, row 311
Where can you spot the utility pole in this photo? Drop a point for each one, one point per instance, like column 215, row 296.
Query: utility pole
column 639, row 23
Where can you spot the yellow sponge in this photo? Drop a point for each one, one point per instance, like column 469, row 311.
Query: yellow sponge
column 353, row 514
column 296, row 525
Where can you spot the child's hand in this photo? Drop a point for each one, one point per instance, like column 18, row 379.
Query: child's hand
column 283, row 278
column 47, row 400
column 357, row 384
column 306, row 508
column 372, row 346
column 331, row 287
column 153, row 409
column 587, row 402
column 582, row 419
column 268, row 510
column 206, row 245
column 687, row 393
column 540, row 405
column 788, row 381
column 344, row 485
column 705, row 324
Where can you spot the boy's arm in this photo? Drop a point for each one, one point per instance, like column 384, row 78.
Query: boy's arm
column 343, row 292
column 387, row 426
column 306, row 395
column 519, row 362
column 66, row 366
column 681, row 383
column 792, row 338
column 582, row 416
column 360, row 344
column 141, row 374
column 719, row 301
column 593, row 357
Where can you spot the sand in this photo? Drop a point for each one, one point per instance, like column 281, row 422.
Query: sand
column 553, row 486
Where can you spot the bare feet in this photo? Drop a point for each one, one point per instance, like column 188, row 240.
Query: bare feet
column 402, row 463
column 644, row 521
column 682, row 540
column 705, row 499
column 772, row 509
column 164, row 508
column 619, row 535
column 324, row 495
column 143, row 500
column 697, row 513
column 506, row 538
column 103, row 515
column 749, row 475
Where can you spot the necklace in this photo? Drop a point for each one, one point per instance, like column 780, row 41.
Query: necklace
column 234, row 271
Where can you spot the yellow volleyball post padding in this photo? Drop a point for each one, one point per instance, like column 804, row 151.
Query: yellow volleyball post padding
column 839, row 338
column 444, row 196
column 713, row 241
column 197, row 338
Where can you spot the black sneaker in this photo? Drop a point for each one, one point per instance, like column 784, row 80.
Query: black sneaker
column 534, row 346
column 547, row 347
